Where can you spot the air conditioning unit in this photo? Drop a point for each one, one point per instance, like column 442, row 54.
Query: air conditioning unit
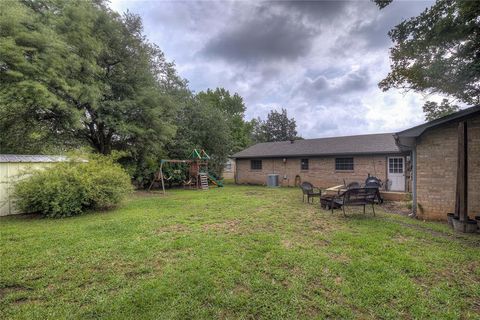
column 273, row 180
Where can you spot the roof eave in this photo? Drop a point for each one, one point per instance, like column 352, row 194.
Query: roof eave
column 319, row 154
column 420, row 129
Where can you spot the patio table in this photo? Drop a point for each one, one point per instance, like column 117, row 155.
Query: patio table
column 336, row 189
column 330, row 193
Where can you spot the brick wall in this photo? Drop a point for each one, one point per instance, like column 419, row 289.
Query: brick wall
column 437, row 170
column 474, row 166
column 321, row 171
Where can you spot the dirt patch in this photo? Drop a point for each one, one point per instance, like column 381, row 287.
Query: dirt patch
column 8, row 289
column 21, row 300
column 254, row 193
column 228, row 226
column 173, row 228
column 266, row 227
column 342, row 258
column 240, row 288
column 470, row 240
column 134, row 274
column 401, row 239
column 287, row 244
column 317, row 222
column 476, row 306
column 323, row 225
column 461, row 274
column 396, row 207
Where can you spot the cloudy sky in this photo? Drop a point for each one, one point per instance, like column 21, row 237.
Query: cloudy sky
column 321, row 60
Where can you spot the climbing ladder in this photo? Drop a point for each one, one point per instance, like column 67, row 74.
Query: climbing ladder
column 203, row 181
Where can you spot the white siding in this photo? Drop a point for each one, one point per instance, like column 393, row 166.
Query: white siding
column 9, row 173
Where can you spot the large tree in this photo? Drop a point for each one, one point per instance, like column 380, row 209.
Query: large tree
column 202, row 126
column 434, row 110
column 438, row 52
column 212, row 120
column 79, row 72
column 233, row 108
column 277, row 127
column 34, row 61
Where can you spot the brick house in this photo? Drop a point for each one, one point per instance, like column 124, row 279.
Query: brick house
column 326, row 162
column 434, row 153
column 422, row 160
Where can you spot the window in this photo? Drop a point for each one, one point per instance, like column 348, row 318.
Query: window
column 256, row 164
column 395, row 165
column 304, row 164
column 228, row 166
column 345, row 164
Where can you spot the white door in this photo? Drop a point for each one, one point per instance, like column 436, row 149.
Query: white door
column 396, row 173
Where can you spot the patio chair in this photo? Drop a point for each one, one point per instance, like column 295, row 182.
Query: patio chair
column 310, row 191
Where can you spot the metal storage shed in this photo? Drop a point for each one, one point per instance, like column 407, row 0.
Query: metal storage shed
column 12, row 168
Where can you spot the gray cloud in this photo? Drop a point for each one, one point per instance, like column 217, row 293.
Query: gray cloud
column 319, row 10
column 319, row 59
column 322, row 89
column 372, row 33
column 266, row 36
column 278, row 30
column 359, row 80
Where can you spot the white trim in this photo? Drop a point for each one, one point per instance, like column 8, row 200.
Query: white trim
column 396, row 174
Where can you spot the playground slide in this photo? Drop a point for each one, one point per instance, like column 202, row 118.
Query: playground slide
column 215, row 181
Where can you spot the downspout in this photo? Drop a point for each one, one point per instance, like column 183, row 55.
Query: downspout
column 414, row 182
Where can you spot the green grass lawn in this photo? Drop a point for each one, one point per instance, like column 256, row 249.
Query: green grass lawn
column 235, row 252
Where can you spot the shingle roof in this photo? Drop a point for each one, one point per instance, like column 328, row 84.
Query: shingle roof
column 363, row 144
column 418, row 130
column 30, row 158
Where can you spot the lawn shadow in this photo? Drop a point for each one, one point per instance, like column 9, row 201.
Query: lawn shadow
column 24, row 216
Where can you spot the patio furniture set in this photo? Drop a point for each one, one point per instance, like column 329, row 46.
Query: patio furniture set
column 352, row 194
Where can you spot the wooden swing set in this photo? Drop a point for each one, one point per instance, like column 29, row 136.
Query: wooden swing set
column 198, row 175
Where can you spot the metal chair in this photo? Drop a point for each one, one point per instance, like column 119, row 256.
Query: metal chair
column 310, row 191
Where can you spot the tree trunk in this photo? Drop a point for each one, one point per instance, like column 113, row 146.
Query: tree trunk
column 99, row 140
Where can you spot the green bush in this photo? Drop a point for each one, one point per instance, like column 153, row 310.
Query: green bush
column 70, row 188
